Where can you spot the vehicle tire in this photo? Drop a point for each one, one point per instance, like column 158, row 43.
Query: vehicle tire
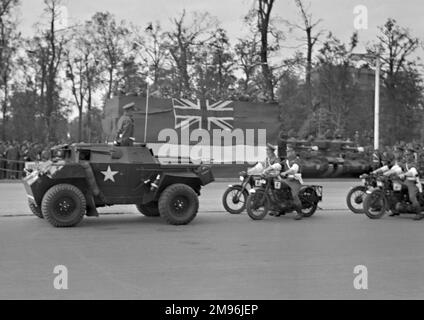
column 234, row 200
column 309, row 203
column 178, row 204
column 375, row 205
column 355, row 199
column 35, row 210
column 254, row 202
column 150, row 210
column 309, row 212
column 64, row 206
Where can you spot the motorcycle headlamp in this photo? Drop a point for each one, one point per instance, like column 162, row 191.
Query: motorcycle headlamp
column 241, row 178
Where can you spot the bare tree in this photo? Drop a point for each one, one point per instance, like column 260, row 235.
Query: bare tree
column 155, row 52
column 184, row 38
column 264, row 19
column 308, row 26
column 53, row 47
column 246, row 51
column 111, row 38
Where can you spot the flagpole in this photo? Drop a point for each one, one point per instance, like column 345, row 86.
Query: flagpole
column 147, row 114
column 377, row 106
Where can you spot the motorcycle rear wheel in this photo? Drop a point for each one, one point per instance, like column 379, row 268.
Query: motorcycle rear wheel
column 255, row 202
column 375, row 205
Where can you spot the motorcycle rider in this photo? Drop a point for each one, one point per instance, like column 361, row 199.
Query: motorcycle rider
column 270, row 160
column 292, row 176
column 395, row 169
column 392, row 164
column 413, row 183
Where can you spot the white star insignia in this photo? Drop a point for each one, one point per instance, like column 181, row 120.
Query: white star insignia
column 109, row 174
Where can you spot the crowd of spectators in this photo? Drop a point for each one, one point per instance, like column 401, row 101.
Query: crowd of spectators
column 14, row 155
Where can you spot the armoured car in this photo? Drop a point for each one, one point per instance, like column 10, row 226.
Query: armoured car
column 83, row 177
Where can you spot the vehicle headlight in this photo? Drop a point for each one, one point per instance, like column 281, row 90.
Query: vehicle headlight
column 263, row 181
column 379, row 183
column 241, row 178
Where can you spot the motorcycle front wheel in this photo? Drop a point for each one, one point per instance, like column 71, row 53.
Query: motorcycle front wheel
column 355, row 199
column 257, row 205
column 375, row 205
column 234, row 199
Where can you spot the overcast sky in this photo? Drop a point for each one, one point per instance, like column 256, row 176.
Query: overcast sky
column 337, row 15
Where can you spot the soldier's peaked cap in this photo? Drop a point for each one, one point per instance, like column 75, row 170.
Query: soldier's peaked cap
column 129, row 106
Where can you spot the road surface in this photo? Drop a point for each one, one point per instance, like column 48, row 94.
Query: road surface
column 123, row 255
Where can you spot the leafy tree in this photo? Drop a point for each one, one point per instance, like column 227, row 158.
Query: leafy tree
column 112, row 41
column 214, row 66
column 8, row 46
column 402, row 95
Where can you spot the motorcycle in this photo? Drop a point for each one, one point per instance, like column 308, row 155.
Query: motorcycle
column 390, row 195
column 234, row 198
column 355, row 197
column 274, row 194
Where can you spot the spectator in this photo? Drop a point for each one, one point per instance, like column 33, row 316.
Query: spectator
column 12, row 157
column 45, row 155
column 2, row 160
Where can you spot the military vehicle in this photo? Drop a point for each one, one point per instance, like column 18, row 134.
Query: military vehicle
column 330, row 158
column 83, row 177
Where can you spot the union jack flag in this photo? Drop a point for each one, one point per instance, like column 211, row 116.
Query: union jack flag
column 203, row 115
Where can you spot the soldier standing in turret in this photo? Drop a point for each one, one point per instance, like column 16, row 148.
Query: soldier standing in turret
column 125, row 133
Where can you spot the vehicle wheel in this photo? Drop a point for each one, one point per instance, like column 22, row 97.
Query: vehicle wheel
column 149, row 210
column 375, row 205
column 355, row 199
column 234, row 200
column 178, row 204
column 257, row 205
column 35, row 210
column 310, row 210
column 64, row 206
column 309, row 205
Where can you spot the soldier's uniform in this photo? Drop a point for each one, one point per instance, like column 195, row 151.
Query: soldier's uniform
column 412, row 182
column 295, row 180
column 125, row 131
column 12, row 156
column 2, row 161
column 270, row 160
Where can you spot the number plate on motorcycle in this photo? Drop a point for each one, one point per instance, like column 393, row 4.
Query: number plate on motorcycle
column 379, row 184
column 277, row 185
column 257, row 183
column 397, row 187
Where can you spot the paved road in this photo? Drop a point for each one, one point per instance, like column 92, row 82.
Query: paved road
column 218, row 256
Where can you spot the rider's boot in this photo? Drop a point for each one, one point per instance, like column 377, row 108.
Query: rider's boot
column 418, row 215
column 299, row 214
